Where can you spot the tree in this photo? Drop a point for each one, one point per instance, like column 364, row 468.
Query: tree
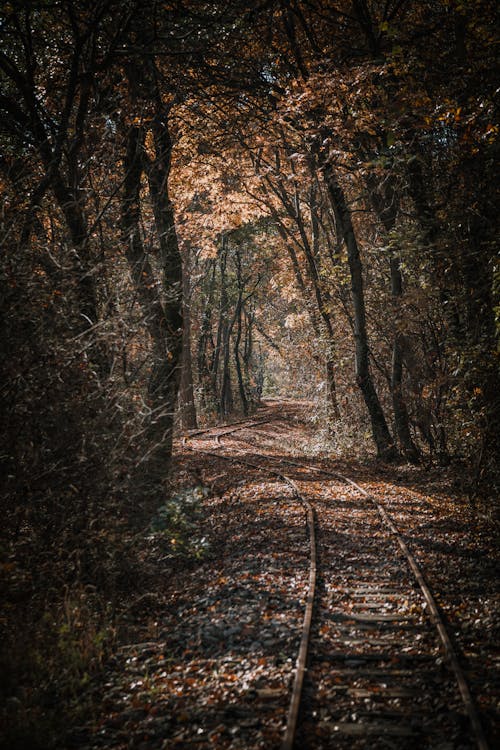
column 187, row 404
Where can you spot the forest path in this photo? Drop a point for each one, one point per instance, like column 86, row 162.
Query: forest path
column 215, row 663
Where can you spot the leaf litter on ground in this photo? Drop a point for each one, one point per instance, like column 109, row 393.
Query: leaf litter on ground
column 213, row 666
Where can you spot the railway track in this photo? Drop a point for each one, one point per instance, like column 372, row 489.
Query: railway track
column 376, row 666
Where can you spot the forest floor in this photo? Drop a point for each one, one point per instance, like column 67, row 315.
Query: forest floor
column 215, row 636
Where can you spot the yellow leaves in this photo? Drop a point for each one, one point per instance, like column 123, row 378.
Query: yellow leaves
column 148, row 141
column 450, row 113
column 491, row 133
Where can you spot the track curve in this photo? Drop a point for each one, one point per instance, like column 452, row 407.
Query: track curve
column 372, row 603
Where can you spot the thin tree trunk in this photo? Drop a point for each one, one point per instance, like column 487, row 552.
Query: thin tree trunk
column 223, row 340
column 401, row 419
column 208, row 393
column 248, row 356
column 166, row 324
column 420, row 190
column 237, row 341
column 239, row 372
column 380, row 431
column 314, row 259
column 226, row 394
column 186, row 389
column 81, row 263
column 214, row 364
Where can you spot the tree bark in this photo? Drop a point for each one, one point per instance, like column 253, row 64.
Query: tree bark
column 163, row 323
column 165, row 378
column 380, row 431
column 247, row 355
column 237, row 340
column 187, row 407
column 401, row 419
column 226, row 390
column 385, row 206
column 205, row 377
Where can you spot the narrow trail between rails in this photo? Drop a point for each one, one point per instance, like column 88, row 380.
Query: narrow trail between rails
column 325, row 614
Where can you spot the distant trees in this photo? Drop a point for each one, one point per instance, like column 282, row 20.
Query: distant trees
column 229, row 289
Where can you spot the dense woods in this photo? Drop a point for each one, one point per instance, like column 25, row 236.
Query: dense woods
column 204, row 203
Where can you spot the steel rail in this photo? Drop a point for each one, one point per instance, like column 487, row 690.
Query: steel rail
column 240, row 425
column 434, row 612
column 301, row 663
column 437, row 620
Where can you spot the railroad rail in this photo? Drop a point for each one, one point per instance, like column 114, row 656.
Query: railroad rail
column 374, row 600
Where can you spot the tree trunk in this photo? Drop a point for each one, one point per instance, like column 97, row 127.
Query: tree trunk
column 401, row 419
column 207, row 390
column 75, row 221
column 421, row 190
column 385, row 207
column 239, row 372
column 163, row 329
column 165, row 378
column 223, row 339
column 186, row 389
column 226, row 394
column 381, row 435
column 237, row 341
